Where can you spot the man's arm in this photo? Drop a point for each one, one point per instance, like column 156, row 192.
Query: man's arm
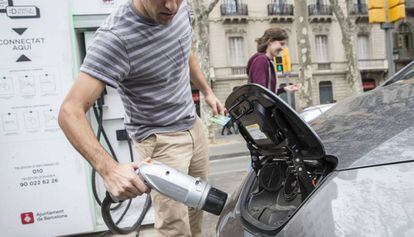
column 199, row 81
column 120, row 180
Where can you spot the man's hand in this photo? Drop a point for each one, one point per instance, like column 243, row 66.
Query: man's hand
column 123, row 182
column 199, row 81
column 215, row 104
column 292, row 88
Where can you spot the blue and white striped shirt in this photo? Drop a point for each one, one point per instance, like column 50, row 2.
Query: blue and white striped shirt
column 148, row 64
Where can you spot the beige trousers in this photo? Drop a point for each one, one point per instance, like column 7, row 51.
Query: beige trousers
column 186, row 152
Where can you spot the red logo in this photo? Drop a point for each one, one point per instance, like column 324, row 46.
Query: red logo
column 27, row 218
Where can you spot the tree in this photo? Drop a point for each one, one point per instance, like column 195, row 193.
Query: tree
column 304, row 49
column 201, row 11
column 347, row 25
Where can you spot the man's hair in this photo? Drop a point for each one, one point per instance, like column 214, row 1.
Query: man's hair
column 270, row 34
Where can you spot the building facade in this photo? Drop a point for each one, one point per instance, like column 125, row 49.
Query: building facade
column 235, row 24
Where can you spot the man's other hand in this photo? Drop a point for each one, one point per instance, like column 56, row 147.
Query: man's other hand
column 215, row 104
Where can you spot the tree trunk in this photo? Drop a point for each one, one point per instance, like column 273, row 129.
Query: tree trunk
column 201, row 48
column 347, row 25
column 304, row 49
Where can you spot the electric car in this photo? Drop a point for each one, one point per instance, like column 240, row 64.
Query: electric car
column 349, row 172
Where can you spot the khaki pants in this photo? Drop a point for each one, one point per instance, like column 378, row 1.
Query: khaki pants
column 186, row 152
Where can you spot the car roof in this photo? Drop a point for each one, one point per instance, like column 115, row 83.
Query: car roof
column 368, row 129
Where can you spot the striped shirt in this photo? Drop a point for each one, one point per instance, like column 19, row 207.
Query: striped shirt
column 148, row 64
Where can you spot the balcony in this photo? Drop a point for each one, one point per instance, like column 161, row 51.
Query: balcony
column 236, row 13
column 318, row 12
column 372, row 65
column 360, row 11
column 332, row 67
column 324, row 66
column 280, row 12
column 232, row 72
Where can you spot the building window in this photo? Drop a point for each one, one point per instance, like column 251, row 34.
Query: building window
column 363, row 47
column 319, row 7
column 233, row 7
column 277, row 6
column 405, row 37
column 278, row 2
column 359, row 7
column 368, row 84
column 322, row 58
column 280, row 7
column 319, row 2
column 236, row 50
column 325, row 92
column 321, row 45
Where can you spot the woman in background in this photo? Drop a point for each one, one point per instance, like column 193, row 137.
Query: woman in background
column 260, row 68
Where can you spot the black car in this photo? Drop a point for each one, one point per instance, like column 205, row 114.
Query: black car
column 350, row 172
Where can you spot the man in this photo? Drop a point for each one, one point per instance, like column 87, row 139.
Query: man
column 143, row 50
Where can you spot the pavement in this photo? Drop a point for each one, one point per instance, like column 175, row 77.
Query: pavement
column 227, row 146
column 229, row 161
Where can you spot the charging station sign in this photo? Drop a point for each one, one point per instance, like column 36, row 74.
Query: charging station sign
column 43, row 179
column 22, row 12
column 82, row 7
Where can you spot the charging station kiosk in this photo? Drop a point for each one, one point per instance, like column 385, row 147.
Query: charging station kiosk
column 46, row 184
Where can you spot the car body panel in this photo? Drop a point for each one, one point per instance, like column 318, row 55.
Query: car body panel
column 230, row 223
column 397, row 149
column 359, row 202
column 343, row 205
column 358, row 125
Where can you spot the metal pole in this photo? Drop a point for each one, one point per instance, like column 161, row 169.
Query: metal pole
column 288, row 94
column 388, row 42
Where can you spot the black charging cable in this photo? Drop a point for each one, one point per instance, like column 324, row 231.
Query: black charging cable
column 113, row 227
column 98, row 112
column 107, row 202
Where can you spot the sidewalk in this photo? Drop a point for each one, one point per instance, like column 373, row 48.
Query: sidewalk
column 227, row 146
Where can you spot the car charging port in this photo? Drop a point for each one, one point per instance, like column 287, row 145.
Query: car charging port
column 287, row 157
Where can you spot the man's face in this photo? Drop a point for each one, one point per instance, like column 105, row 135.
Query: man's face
column 161, row 11
column 275, row 47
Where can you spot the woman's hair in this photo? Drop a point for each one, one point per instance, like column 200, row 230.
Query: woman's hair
column 270, row 34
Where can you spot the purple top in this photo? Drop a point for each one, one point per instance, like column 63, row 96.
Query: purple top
column 258, row 72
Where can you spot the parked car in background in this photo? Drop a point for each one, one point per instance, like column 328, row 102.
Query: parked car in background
column 346, row 173
column 313, row 112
